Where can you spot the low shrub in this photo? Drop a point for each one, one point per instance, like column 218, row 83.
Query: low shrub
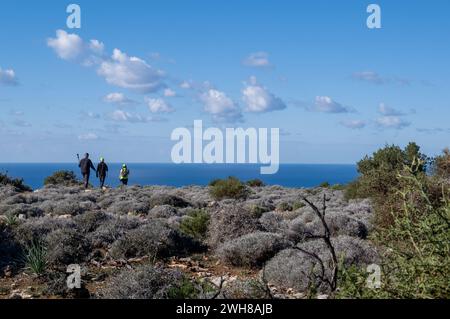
column 17, row 183
column 155, row 239
column 111, row 230
column 245, row 289
column 196, row 224
column 300, row 269
column 255, row 183
column 273, row 223
column 166, row 199
column 252, row 250
column 416, row 262
column 90, row 221
column 163, row 211
column 229, row 223
column 62, row 178
column 324, row 185
column 66, row 246
column 144, row 282
column 35, row 229
column 227, row 188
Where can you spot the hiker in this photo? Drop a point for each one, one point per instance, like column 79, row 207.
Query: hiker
column 86, row 165
column 123, row 176
column 101, row 172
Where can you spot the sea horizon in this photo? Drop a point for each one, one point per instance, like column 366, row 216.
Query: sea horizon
column 179, row 175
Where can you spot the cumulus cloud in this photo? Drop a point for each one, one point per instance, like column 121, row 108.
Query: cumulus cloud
column 353, row 124
column 220, row 106
column 121, row 70
column 326, row 104
column 257, row 59
column 388, row 111
column 159, row 106
column 392, row 122
column 118, row 99
column 66, row 46
column 96, row 46
column 169, row 93
column 131, row 73
column 8, row 77
column 123, row 116
column 88, row 137
column 186, row 85
column 258, row 99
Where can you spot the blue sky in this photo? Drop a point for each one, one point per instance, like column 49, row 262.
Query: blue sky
column 136, row 70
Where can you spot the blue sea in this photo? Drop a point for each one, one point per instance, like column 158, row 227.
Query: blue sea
column 289, row 175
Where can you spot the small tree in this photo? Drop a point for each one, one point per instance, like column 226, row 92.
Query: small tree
column 63, row 178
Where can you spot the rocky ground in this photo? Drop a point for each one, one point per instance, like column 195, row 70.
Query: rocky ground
column 137, row 242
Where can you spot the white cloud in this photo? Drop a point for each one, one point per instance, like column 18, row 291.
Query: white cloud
column 393, row 122
column 118, row 99
column 123, row 116
column 169, row 93
column 158, row 106
column 354, row 124
column 388, row 111
column 186, row 85
column 8, row 77
column 258, row 99
column 257, row 59
column 88, row 137
column 131, row 73
column 220, row 106
column 67, row 46
column 326, row 104
column 97, row 47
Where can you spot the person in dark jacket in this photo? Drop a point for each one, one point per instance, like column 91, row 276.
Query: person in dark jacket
column 86, row 165
column 102, row 170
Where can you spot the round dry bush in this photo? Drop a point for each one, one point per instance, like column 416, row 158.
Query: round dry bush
column 252, row 250
column 66, row 246
column 273, row 222
column 67, row 207
column 22, row 209
column 166, row 199
column 144, row 282
column 9, row 248
column 35, row 229
column 230, row 222
column 245, row 289
column 163, row 211
column 155, row 239
column 7, row 191
column 308, row 226
column 112, row 229
column 129, row 206
column 90, row 221
column 300, row 270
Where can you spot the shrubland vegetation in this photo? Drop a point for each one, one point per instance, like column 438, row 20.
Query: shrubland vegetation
column 62, row 178
column 163, row 242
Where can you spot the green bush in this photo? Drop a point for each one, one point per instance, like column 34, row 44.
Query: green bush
column 196, row 224
column 325, row 185
column 16, row 182
column 63, row 178
column 441, row 164
column 227, row 188
column 416, row 260
column 378, row 178
column 255, row 183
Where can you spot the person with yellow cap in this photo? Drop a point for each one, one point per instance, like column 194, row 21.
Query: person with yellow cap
column 124, row 173
column 102, row 171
